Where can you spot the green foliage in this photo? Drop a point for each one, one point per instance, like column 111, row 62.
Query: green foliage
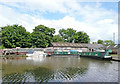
column 57, row 38
column 42, row 36
column 39, row 40
column 94, row 42
column 24, row 56
column 100, row 41
column 68, row 34
column 108, row 42
column 43, row 29
column 82, row 37
column 2, row 47
column 15, row 36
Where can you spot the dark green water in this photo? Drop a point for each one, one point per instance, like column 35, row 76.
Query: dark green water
column 59, row 69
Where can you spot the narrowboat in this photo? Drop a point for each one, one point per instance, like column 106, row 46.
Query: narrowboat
column 102, row 54
column 66, row 52
column 49, row 51
column 97, row 54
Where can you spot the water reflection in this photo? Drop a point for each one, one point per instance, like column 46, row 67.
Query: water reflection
column 15, row 77
column 58, row 69
column 70, row 73
column 36, row 59
column 42, row 74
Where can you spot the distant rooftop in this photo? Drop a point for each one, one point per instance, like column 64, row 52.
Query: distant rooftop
column 57, row 44
column 76, row 45
column 112, row 46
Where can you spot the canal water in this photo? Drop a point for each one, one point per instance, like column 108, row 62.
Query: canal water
column 58, row 69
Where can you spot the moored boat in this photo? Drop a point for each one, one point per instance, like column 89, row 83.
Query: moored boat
column 36, row 54
column 102, row 54
column 30, row 53
column 97, row 54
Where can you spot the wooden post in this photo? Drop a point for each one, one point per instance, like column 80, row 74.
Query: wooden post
column 9, row 53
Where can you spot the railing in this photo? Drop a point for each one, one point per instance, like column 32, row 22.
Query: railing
column 14, row 50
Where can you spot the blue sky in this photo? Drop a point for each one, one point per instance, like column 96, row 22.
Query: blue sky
column 97, row 19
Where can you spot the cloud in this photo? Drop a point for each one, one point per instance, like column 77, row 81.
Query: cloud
column 62, row 0
column 104, row 31
column 96, row 21
column 106, row 21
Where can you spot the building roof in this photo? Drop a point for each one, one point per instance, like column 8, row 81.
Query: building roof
column 112, row 47
column 94, row 46
column 77, row 45
column 57, row 44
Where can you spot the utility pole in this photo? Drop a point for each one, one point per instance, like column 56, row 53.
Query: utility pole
column 114, row 38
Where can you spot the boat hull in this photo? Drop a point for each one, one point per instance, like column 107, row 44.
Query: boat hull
column 96, row 57
column 29, row 55
column 100, row 55
column 37, row 54
column 64, row 55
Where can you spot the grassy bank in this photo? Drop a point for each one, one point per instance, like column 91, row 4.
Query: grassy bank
column 14, row 56
column 114, row 54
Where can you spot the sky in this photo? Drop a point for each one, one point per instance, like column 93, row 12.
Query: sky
column 98, row 19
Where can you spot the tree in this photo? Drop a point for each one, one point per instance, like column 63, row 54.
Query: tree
column 39, row 40
column 100, row 41
column 46, row 30
column 68, row 34
column 15, row 36
column 57, row 38
column 82, row 37
column 94, row 42
column 42, row 36
column 26, row 40
column 108, row 42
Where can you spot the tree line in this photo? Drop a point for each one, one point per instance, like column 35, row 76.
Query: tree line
column 106, row 42
column 41, row 37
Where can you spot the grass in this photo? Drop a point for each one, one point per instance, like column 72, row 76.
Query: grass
column 24, row 56
column 114, row 54
column 14, row 56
